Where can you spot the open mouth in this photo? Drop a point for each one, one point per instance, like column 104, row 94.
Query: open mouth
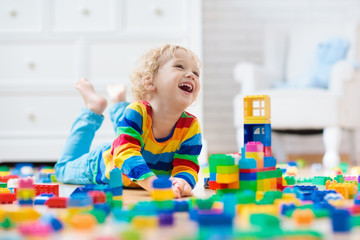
column 186, row 87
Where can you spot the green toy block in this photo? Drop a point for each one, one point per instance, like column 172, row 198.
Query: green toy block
column 245, row 197
column 227, row 169
column 204, row 204
column 290, row 180
column 339, row 178
column 344, row 167
column 3, row 185
column 248, row 185
column 164, row 205
column 222, row 192
column 320, row 180
column 4, row 168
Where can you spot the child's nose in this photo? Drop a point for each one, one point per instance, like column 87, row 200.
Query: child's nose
column 191, row 75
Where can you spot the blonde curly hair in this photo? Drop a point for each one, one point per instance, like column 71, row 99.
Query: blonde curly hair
column 148, row 65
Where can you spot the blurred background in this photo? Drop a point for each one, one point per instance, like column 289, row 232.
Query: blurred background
column 48, row 45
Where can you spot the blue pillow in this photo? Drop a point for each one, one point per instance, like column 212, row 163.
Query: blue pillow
column 327, row 54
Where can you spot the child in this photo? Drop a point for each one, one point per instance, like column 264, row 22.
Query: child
column 154, row 135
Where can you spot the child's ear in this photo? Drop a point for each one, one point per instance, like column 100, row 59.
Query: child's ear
column 149, row 84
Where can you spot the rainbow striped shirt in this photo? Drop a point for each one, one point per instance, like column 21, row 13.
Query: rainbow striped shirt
column 139, row 155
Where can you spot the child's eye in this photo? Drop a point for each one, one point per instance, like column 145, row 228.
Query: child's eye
column 179, row 66
column 196, row 74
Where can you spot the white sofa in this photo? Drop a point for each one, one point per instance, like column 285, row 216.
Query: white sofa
column 287, row 50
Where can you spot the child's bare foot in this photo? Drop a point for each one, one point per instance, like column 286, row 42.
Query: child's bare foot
column 117, row 92
column 93, row 101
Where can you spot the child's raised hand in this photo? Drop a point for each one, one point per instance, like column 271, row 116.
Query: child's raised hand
column 181, row 188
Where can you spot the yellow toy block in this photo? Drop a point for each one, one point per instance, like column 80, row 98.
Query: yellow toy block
column 227, row 178
column 267, row 185
column 145, row 222
column 25, row 193
column 257, row 109
column 255, row 155
column 260, row 185
column 4, row 173
column 249, row 209
column 117, row 198
column 23, row 214
column 162, row 194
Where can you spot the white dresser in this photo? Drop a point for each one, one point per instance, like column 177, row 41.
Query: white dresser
column 48, row 45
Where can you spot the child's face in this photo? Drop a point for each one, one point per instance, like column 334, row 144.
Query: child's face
column 177, row 81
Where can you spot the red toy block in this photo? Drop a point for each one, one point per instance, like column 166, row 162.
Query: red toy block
column 6, row 198
column 267, row 152
column 56, row 202
column 97, row 196
column 6, row 178
column 47, row 188
column 255, row 170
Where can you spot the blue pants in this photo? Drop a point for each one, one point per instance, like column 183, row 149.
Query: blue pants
column 77, row 164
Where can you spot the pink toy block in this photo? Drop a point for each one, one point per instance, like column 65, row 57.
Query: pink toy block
column 26, row 183
column 254, row 147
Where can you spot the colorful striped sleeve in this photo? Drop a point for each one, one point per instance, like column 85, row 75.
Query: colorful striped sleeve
column 185, row 164
column 126, row 149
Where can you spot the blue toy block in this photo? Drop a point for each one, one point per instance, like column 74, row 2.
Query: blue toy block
column 258, row 133
column 213, row 176
column 230, row 202
column 248, row 176
column 341, row 220
column 287, row 207
column 181, row 206
column 79, row 200
column 25, row 202
column 318, row 196
column 116, row 191
column 116, row 178
column 42, row 198
column 269, row 162
column 162, row 182
column 215, row 219
column 246, row 163
column 357, row 199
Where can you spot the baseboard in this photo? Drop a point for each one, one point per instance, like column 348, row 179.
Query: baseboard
column 315, row 158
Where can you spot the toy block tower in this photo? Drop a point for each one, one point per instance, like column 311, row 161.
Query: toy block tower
column 257, row 167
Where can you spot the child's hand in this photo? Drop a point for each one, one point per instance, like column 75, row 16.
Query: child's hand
column 181, row 188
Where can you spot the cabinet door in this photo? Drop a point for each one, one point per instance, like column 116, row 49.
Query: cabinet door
column 38, row 63
column 83, row 15
column 155, row 16
column 20, row 15
column 112, row 61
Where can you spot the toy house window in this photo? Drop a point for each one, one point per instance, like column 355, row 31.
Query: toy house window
column 258, row 108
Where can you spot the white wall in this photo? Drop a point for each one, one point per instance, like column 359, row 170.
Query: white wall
column 232, row 32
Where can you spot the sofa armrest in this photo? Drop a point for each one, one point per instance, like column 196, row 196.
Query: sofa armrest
column 341, row 75
column 253, row 77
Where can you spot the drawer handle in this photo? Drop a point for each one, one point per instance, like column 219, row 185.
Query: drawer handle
column 31, row 65
column 31, row 115
column 85, row 12
column 13, row 13
column 158, row 11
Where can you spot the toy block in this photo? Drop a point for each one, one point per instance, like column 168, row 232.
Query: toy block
column 259, row 157
column 162, row 183
column 247, row 163
column 248, row 176
column 116, row 178
column 25, row 194
column 269, row 162
column 228, row 178
column 267, row 151
column 161, row 195
column 7, row 177
column 258, row 133
column 79, row 200
column 42, row 198
column 97, row 197
column 340, row 219
column 257, row 109
column 23, row 215
column 46, row 188
column 227, row 169
column 260, row 185
column 7, row 198
column 303, row 217
column 56, row 202
column 254, row 147
column 248, row 185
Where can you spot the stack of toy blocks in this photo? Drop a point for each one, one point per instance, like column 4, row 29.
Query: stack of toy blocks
column 257, row 166
column 224, row 172
column 25, row 192
column 163, row 197
column 116, row 187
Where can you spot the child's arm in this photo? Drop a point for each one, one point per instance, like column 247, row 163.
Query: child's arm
column 185, row 163
column 147, row 183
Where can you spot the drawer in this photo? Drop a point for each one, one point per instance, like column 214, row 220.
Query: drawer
column 41, row 115
column 157, row 15
column 38, row 62
column 111, row 61
column 20, row 15
column 83, row 15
